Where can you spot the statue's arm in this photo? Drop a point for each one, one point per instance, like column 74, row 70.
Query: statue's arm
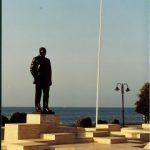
column 33, row 68
column 50, row 68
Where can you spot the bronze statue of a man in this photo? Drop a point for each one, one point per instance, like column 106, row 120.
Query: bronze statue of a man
column 42, row 74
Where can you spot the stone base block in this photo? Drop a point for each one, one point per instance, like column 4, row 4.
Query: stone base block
column 43, row 119
column 110, row 140
column 109, row 127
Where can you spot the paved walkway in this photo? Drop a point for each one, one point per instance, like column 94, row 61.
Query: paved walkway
column 132, row 145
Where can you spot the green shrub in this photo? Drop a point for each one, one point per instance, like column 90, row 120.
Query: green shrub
column 115, row 121
column 102, row 122
column 4, row 120
column 18, row 118
column 85, row 122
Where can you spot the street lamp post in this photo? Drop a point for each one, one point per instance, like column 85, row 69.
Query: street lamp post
column 122, row 93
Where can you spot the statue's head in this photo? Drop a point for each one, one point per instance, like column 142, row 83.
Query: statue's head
column 42, row 51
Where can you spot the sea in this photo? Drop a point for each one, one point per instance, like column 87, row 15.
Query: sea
column 70, row 115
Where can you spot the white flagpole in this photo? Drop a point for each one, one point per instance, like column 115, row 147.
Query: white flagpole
column 98, row 62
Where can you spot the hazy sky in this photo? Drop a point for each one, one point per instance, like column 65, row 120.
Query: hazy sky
column 69, row 31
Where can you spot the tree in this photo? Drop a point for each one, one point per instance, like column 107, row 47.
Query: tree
column 102, row 122
column 18, row 117
column 115, row 121
column 142, row 105
column 84, row 122
column 4, row 120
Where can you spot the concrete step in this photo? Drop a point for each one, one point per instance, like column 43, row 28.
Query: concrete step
column 100, row 133
column 109, row 127
column 93, row 134
column 117, row 133
column 84, row 140
column 26, row 131
column 59, row 138
column 140, row 136
column 28, row 146
column 146, row 126
column 134, row 133
column 110, row 140
column 147, row 146
column 40, row 140
column 92, row 129
column 62, row 147
column 133, row 130
column 4, row 147
column 89, row 129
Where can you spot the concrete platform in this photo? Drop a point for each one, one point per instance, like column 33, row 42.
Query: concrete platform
column 28, row 146
column 135, row 145
column 110, row 140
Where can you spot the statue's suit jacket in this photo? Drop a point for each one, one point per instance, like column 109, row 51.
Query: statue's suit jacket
column 41, row 70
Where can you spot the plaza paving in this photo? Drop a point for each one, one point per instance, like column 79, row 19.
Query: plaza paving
column 131, row 145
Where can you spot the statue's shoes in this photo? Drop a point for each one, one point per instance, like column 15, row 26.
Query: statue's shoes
column 48, row 111
column 38, row 109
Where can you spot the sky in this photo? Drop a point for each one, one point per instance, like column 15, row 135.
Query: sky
column 69, row 30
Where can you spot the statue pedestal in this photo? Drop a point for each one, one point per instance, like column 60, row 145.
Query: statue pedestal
column 43, row 119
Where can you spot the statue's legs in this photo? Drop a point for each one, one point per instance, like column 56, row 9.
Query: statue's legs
column 45, row 98
column 38, row 92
